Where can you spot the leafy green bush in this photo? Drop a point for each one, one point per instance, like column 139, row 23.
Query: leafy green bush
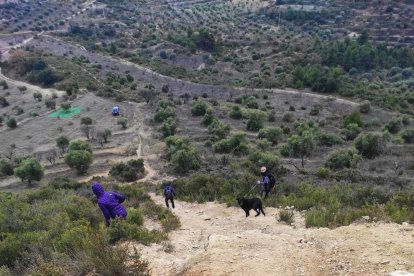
column 353, row 118
column 162, row 114
column 286, row 216
column 328, row 139
column 129, row 172
column 199, row 108
column 236, row 144
column 273, row 134
column 135, row 216
column 351, row 131
column 344, row 158
column 250, row 102
column 80, row 145
column 169, row 127
column 288, row 117
column 183, row 156
column 236, row 113
column 208, row 118
column 394, row 126
column 255, row 122
column 218, row 130
column 323, row 172
column 370, row 145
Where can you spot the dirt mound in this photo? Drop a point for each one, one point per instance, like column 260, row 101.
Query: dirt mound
column 215, row 240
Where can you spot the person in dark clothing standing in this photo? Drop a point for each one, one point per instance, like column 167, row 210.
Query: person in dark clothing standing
column 109, row 202
column 169, row 194
column 265, row 182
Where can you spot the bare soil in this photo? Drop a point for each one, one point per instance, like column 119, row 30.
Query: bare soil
column 215, row 240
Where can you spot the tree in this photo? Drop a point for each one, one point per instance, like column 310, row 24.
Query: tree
column 103, row 136
column 79, row 160
column 299, row 146
column 86, row 123
column 28, row 170
column 169, row 127
column 62, row 142
column 148, row 95
column 351, row 131
column 345, row 158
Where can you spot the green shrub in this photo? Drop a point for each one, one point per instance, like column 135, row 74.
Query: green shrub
column 129, row 172
column 351, row 131
column 236, row 144
column 11, row 123
column 236, row 113
column 272, row 134
column 394, row 126
column 183, row 156
column 407, row 135
column 169, row 127
column 286, row 216
column 270, row 160
column 80, row 145
column 323, row 172
column 162, row 114
column 135, row 216
column 6, row 169
column 217, row 130
column 199, row 108
column 328, row 139
column 299, row 146
column 250, row 102
column 353, row 118
column 344, row 158
column 370, row 145
column 263, row 145
column 208, row 118
column 255, row 122
column 170, row 222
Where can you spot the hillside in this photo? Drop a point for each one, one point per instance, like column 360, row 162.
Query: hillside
column 319, row 92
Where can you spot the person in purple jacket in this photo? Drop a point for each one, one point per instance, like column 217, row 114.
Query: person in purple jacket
column 109, row 202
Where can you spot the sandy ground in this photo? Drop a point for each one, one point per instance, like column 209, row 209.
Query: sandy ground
column 215, row 240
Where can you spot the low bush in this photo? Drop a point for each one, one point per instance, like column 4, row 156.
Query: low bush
column 272, row 134
column 365, row 107
column 351, row 131
column 408, row 136
column 236, row 144
column 370, row 145
column 218, row 130
column 199, row 108
column 6, row 169
column 394, row 126
column 344, row 158
column 353, row 118
column 255, row 122
column 323, row 172
column 128, row 172
column 328, row 139
column 236, row 113
column 286, row 216
column 182, row 155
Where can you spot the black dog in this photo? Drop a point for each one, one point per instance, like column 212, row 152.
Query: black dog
column 251, row 203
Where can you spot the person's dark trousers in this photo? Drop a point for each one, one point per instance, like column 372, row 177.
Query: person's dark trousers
column 266, row 192
column 172, row 202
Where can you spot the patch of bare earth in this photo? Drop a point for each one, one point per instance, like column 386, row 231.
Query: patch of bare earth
column 215, row 240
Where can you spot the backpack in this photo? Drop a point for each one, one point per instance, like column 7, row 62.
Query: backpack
column 272, row 180
column 168, row 191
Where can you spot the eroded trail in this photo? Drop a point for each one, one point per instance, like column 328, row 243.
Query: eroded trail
column 215, row 240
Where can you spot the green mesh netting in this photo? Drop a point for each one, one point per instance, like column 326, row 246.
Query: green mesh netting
column 66, row 114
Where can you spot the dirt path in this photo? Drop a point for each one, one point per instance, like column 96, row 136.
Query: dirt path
column 215, row 240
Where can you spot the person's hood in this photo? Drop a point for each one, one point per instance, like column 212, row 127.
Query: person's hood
column 97, row 189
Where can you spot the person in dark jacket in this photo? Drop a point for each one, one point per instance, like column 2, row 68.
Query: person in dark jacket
column 109, row 202
column 169, row 194
column 265, row 182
